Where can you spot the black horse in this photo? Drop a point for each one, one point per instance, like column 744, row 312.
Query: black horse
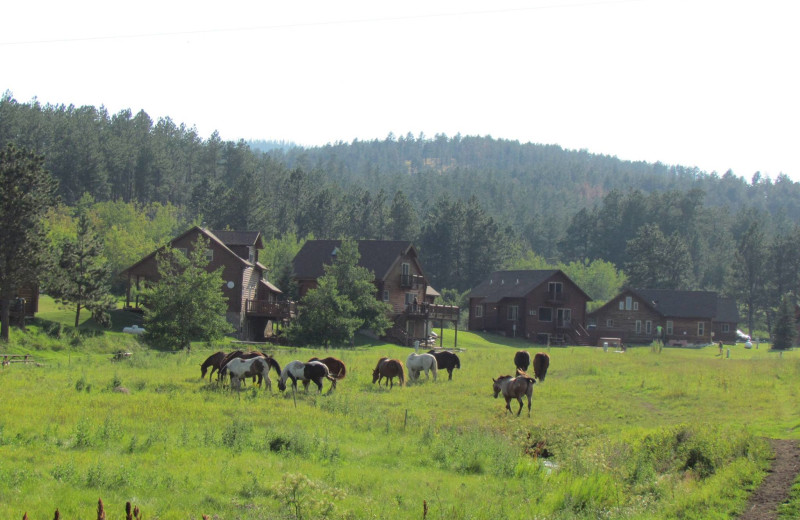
column 214, row 361
column 522, row 360
column 447, row 360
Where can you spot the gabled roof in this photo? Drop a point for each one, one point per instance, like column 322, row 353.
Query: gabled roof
column 513, row 284
column 270, row 286
column 727, row 310
column 377, row 256
column 196, row 229
column 240, row 238
column 679, row 304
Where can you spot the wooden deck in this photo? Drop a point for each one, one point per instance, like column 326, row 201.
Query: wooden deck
column 275, row 310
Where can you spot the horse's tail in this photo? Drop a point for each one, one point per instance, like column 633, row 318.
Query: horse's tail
column 402, row 375
column 342, row 371
column 435, row 367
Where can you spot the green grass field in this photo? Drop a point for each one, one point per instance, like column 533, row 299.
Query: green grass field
column 644, row 434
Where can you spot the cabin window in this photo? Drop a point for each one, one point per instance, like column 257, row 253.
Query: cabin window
column 264, row 274
column 251, row 254
column 621, row 305
column 545, row 314
column 591, row 322
column 609, row 323
column 648, row 327
column 183, row 250
column 479, row 311
column 628, row 303
column 701, row 328
column 726, row 327
column 638, row 326
column 636, row 306
column 406, row 269
column 386, row 296
column 555, row 287
column 410, row 298
column 513, row 312
column 209, row 255
column 669, row 327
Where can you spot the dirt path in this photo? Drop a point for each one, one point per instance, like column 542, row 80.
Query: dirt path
column 764, row 502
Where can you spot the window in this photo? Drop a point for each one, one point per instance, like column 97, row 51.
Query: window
column 479, row 311
column 636, row 306
column 648, row 327
column 264, row 275
column 621, row 305
column 410, row 298
column 669, row 327
column 386, row 296
column 638, row 326
column 209, row 255
column 701, row 328
column 406, row 269
column 545, row 314
column 726, row 327
column 609, row 323
column 564, row 317
column 251, row 254
column 513, row 312
column 628, row 303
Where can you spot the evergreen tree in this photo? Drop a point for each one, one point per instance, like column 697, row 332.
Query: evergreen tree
column 187, row 302
column 404, row 223
column 26, row 193
column 83, row 277
column 785, row 333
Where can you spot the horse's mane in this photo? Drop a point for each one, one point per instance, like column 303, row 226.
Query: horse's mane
column 271, row 361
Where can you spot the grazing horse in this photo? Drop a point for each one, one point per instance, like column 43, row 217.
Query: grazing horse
column 514, row 388
column 416, row 363
column 522, row 360
column 446, row 360
column 541, row 361
column 335, row 366
column 214, row 361
column 314, row 371
column 238, row 354
column 389, row 368
column 241, row 368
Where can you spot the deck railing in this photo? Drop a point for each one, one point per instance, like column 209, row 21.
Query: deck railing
column 272, row 309
column 432, row 312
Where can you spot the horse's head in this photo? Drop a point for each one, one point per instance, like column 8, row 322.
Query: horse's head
column 496, row 387
column 281, row 385
column 376, row 374
column 203, row 370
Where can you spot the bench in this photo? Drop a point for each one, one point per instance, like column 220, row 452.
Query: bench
column 7, row 359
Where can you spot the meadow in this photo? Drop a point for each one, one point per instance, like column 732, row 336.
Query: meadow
column 649, row 433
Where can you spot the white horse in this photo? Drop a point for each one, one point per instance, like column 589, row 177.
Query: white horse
column 314, row 371
column 243, row 368
column 416, row 363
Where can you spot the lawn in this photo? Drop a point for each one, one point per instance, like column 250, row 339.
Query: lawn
column 676, row 433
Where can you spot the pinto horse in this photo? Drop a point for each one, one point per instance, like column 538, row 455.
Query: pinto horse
column 241, row 368
column 313, row 371
column 446, row 360
column 389, row 368
column 541, row 362
column 514, row 388
column 238, row 354
column 335, row 366
column 522, row 360
column 214, row 361
column 416, row 363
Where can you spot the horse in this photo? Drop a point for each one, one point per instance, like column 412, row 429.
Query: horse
column 238, row 354
column 241, row 368
column 416, row 363
column 446, row 360
column 514, row 388
column 522, row 360
column 335, row 366
column 389, row 368
column 541, row 361
column 214, row 361
column 314, row 371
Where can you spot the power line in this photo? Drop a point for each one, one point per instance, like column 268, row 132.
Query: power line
column 354, row 21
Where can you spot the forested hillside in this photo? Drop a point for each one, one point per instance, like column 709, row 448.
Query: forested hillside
column 471, row 204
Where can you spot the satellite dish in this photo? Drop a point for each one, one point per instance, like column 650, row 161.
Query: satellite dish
column 230, row 285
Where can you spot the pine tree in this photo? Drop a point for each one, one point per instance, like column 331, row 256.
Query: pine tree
column 187, row 302
column 785, row 332
column 83, row 277
column 26, row 193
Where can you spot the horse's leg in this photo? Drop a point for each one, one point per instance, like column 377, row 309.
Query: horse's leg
column 306, row 382
column 520, row 406
column 508, row 404
column 449, row 374
column 529, row 405
column 318, row 382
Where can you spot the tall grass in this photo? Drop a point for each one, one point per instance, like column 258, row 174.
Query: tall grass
column 634, row 435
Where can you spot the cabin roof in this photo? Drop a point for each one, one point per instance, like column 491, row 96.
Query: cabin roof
column 240, row 238
column 377, row 256
column 514, row 284
column 727, row 310
column 682, row 304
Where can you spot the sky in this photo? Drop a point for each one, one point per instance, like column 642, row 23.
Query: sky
column 712, row 84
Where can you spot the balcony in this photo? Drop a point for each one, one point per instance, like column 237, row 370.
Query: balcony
column 411, row 280
column 276, row 310
column 430, row 311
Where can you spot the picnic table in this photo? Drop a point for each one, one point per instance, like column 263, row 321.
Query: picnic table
column 7, row 359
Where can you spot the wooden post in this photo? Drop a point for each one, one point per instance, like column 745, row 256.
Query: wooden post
column 441, row 333
column 455, row 339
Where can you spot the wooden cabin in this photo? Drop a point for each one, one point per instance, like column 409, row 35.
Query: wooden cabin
column 399, row 281
column 542, row 306
column 255, row 306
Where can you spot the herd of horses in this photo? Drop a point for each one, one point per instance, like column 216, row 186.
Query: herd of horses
column 239, row 365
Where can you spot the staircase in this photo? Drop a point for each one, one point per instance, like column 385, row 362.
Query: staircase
column 581, row 336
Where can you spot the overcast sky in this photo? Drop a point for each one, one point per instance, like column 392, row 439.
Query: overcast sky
column 706, row 83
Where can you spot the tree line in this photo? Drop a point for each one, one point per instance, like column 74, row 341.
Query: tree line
column 470, row 204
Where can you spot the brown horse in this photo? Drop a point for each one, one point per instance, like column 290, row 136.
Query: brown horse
column 336, row 366
column 522, row 360
column 214, row 361
column 389, row 368
column 541, row 361
column 515, row 388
